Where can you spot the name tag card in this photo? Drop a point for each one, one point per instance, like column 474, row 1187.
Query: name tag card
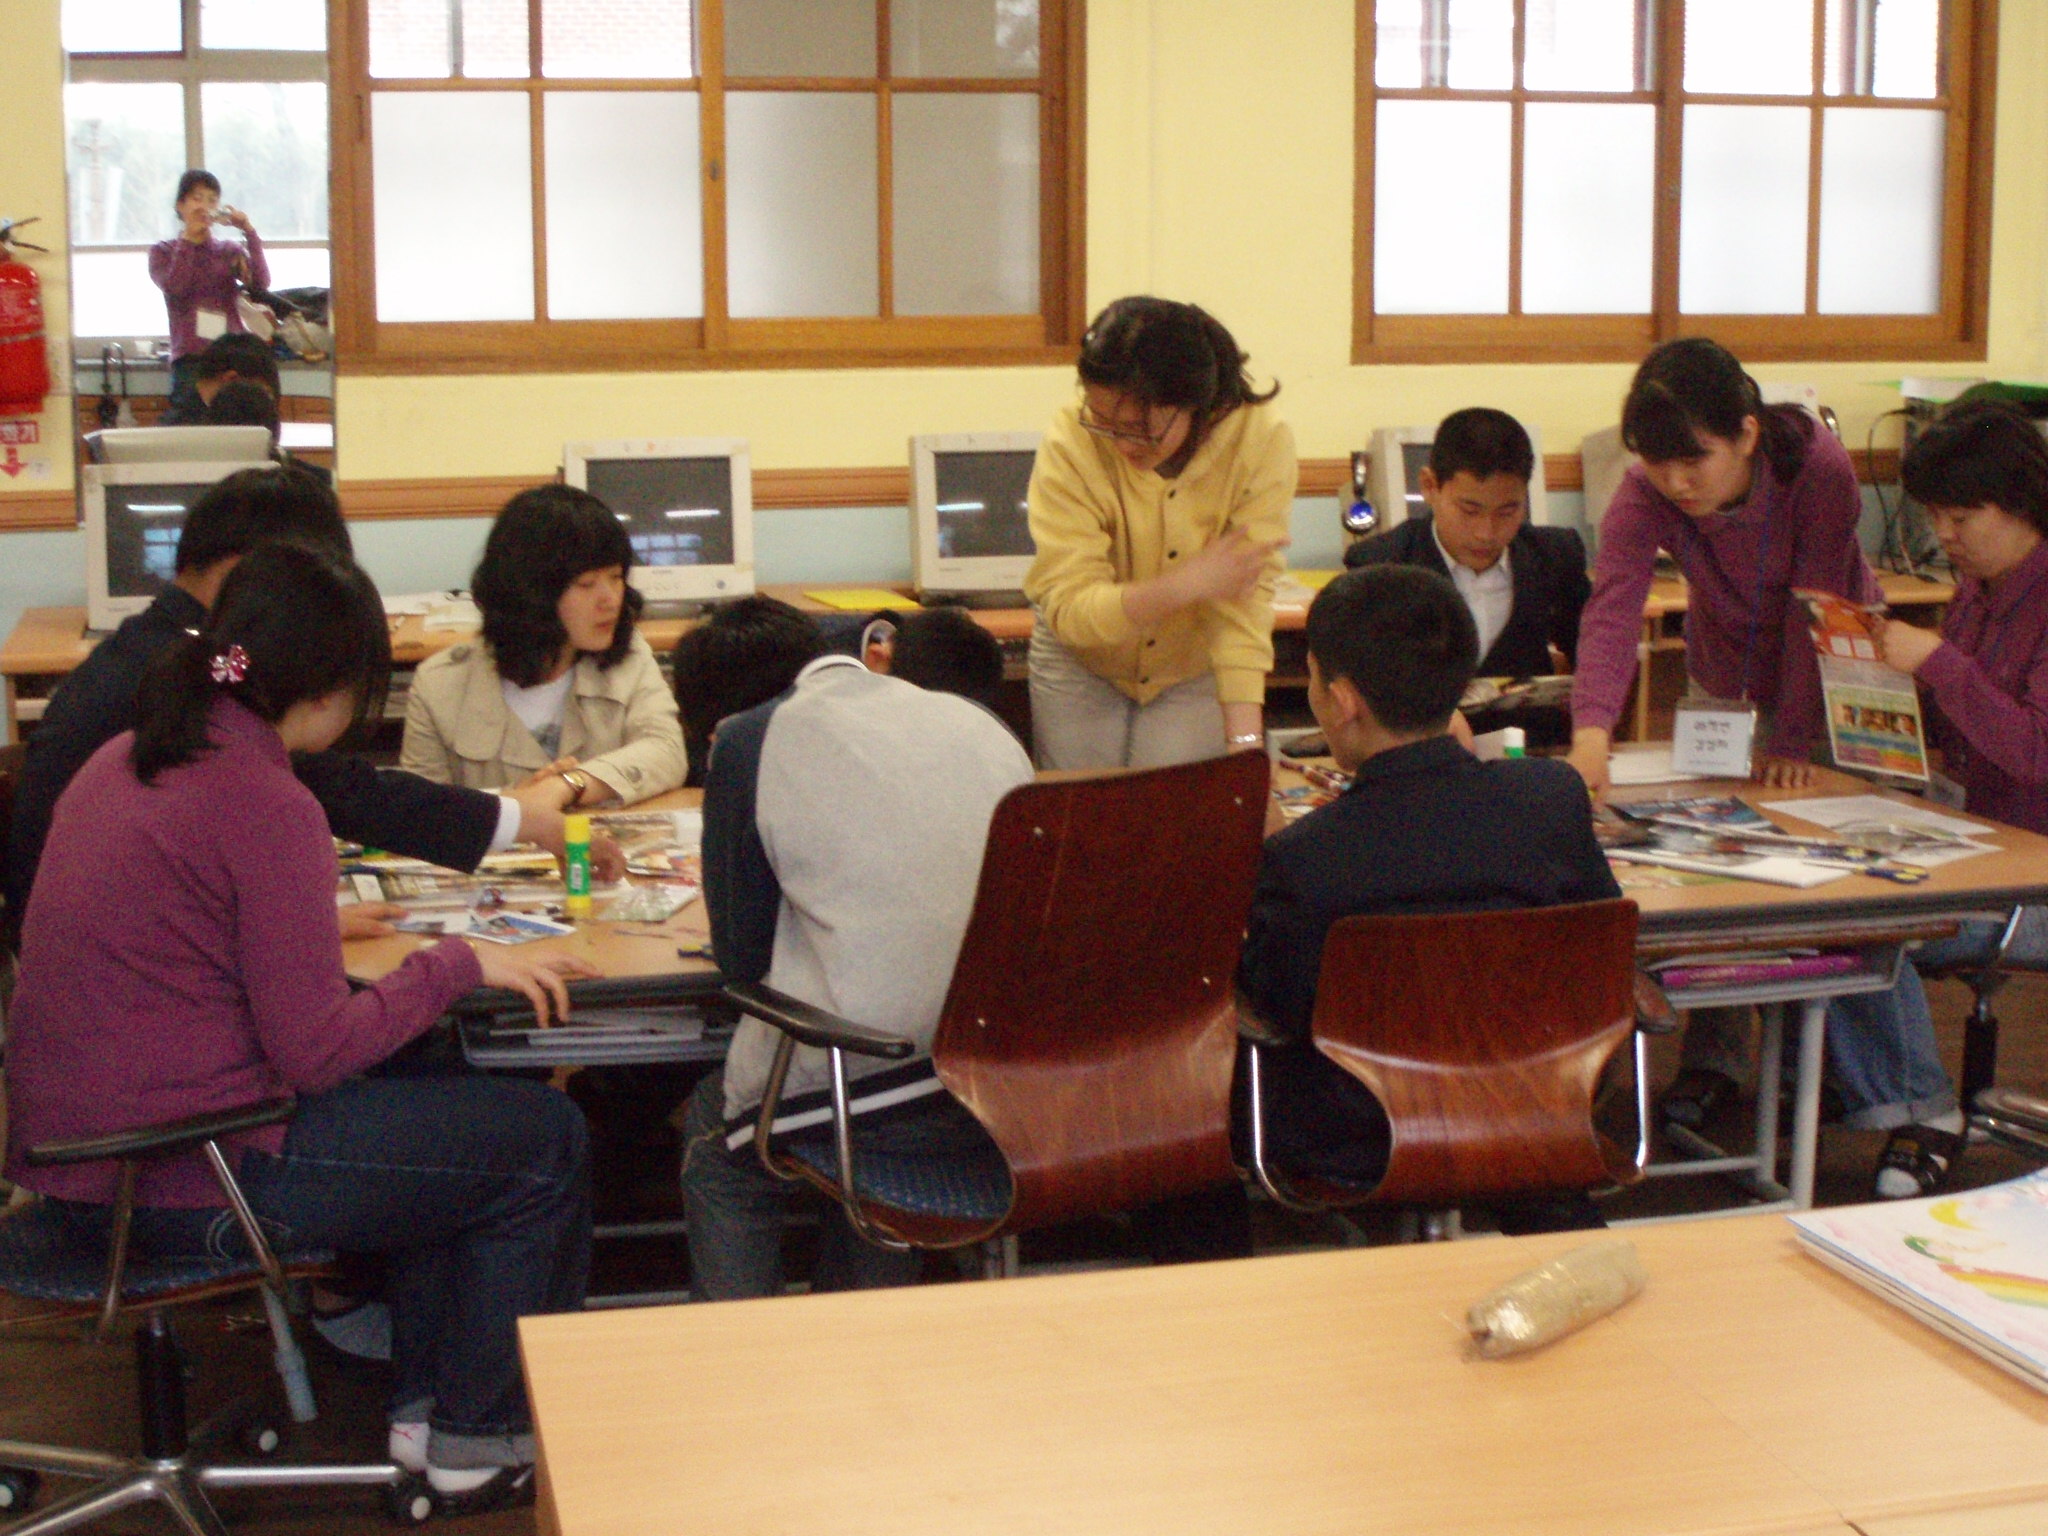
column 1713, row 738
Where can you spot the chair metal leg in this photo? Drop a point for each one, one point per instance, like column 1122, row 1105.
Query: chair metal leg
column 189, row 1505
column 61, row 1461
column 1980, row 1045
column 78, row 1510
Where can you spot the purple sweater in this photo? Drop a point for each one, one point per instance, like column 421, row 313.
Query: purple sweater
column 196, row 277
column 1989, row 684
column 182, row 954
column 1801, row 534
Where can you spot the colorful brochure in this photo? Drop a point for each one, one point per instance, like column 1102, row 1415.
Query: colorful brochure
column 1873, row 710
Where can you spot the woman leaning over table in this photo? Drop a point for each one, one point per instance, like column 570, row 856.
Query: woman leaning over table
column 1982, row 474
column 1753, row 501
column 558, row 687
column 1159, row 507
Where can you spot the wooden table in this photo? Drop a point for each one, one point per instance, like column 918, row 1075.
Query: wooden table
column 1748, row 1390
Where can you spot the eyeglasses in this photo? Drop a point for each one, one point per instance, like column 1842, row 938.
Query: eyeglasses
column 1090, row 422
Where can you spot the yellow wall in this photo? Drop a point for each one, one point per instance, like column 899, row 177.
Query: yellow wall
column 32, row 182
column 1219, row 169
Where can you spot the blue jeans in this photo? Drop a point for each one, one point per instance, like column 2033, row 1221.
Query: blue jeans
column 736, row 1209
column 1881, row 1053
column 478, row 1190
column 1976, row 941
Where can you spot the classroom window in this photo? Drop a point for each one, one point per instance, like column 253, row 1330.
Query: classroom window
column 156, row 86
column 1581, row 179
column 542, row 184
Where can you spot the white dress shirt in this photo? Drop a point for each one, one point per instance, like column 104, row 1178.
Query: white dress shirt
column 1490, row 593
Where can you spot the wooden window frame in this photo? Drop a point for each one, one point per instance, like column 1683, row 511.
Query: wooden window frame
column 366, row 345
column 190, row 68
column 1957, row 330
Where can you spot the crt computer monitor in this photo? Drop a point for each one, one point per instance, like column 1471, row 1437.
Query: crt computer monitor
column 1400, row 454
column 969, row 525
column 134, row 514
column 187, row 445
column 688, row 507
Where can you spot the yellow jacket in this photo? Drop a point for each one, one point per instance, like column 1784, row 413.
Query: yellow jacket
column 1100, row 525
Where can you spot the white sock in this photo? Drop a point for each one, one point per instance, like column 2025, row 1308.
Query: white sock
column 460, row 1479
column 408, row 1446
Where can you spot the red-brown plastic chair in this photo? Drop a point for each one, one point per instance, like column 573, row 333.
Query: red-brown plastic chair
column 1090, row 1026
column 1483, row 1034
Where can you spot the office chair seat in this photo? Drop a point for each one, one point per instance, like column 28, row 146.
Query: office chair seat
column 953, row 1189
column 41, row 1259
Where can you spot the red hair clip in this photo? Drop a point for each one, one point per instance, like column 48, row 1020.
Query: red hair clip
column 231, row 665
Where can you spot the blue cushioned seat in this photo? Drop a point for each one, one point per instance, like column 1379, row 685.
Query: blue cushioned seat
column 973, row 1188
column 42, row 1260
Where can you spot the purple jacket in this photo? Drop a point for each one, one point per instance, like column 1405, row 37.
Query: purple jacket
column 181, row 954
column 1801, row 534
column 196, row 277
column 1988, row 682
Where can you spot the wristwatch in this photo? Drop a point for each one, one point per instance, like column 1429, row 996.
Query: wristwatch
column 1249, row 739
column 579, row 784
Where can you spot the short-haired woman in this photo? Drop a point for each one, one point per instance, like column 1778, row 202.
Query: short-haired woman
column 1159, row 506
column 558, row 682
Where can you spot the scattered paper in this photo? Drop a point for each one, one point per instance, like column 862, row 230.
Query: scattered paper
column 1863, row 813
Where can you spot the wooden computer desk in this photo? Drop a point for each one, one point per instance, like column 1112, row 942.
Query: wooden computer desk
column 1748, row 1390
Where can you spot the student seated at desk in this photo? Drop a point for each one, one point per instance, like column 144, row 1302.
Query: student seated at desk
column 744, row 653
column 1424, row 827
column 558, row 684
column 1524, row 585
column 182, row 957
column 843, row 830
column 384, row 809
column 1981, row 472
column 236, row 358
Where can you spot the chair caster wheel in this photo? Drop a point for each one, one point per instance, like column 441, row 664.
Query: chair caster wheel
column 17, row 1489
column 262, row 1437
column 410, row 1500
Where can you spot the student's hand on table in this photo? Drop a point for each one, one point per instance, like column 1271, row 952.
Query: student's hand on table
column 369, row 920
column 1589, row 755
column 540, row 979
column 1906, row 646
column 1787, row 773
column 540, row 823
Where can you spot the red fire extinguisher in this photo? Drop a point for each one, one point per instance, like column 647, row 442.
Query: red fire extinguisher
column 24, row 355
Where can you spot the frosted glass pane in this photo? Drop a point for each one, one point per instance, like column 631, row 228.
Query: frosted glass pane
column 1588, row 197
column 111, row 295
column 432, row 39
column 966, row 189
column 963, row 38
column 1884, row 48
column 299, row 267
column 297, row 25
column 454, row 226
column 1482, row 51
column 1397, row 50
column 123, row 26
column 1742, row 229
column 625, row 230
column 800, row 204
column 1749, row 47
column 126, row 150
column 790, row 38
column 268, row 146
column 1581, row 45
column 1423, row 150
column 1880, row 211
column 604, row 40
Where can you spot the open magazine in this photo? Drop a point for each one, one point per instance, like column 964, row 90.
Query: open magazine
column 1974, row 1265
column 1873, row 710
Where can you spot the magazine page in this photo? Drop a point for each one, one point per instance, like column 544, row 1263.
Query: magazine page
column 1873, row 711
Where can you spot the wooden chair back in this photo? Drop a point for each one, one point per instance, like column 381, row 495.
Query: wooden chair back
column 1090, row 1025
column 1483, row 1034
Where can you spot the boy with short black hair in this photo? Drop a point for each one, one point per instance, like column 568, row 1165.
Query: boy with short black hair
column 1523, row 585
column 943, row 649
column 743, row 654
column 1424, row 827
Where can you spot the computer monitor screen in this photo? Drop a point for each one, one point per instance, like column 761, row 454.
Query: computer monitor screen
column 969, row 513
column 687, row 506
column 134, row 515
column 181, row 445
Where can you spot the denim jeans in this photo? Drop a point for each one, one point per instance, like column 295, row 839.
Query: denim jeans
column 1881, row 1054
column 736, row 1209
column 476, row 1188
column 1976, row 941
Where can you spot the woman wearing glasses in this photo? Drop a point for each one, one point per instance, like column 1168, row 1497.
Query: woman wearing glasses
column 1159, row 508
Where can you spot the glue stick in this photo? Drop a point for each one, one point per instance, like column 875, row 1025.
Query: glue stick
column 1513, row 743
column 576, row 844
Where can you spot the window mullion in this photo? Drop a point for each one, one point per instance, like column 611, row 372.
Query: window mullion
column 1517, row 114
column 1668, row 78
column 1816, row 126
column 885, row 168
column 712, row 179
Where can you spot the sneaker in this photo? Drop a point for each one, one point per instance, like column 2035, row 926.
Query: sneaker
column 478, row 1490
column 1916, row 1162
column 1694, row 1095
